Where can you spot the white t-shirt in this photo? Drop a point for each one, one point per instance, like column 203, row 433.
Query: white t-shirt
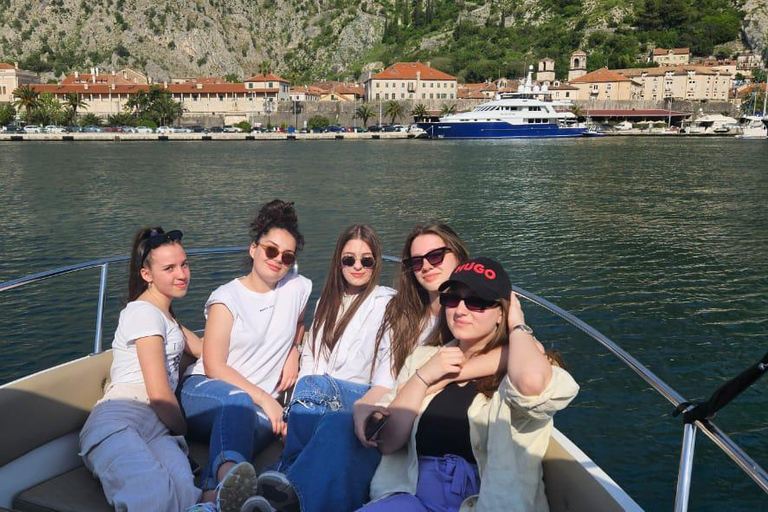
column 140, row 319
column 263, row 329
column 353, row 355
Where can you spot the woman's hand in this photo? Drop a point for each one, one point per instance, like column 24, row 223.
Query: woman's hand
column 290, row 372
column 515, row 316
column 361, row 411
column 274, row 412
column 446, row 362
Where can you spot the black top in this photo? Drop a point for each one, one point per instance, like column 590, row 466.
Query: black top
column 444, row 426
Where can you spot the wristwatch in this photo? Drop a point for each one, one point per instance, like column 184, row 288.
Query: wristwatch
column 523, row 328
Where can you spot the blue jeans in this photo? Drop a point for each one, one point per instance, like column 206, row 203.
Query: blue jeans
column 224, row 416
column 323, row 459
column 444, row 483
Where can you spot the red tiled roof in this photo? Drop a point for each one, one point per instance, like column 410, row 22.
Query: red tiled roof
column 675, row 51
column 601, row 75
column 5, row 65
column 271, row 77
column 475, row 91
column 663, row 70
column 408, row 70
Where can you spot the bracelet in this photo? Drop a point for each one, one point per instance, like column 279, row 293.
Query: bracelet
column 421, row 378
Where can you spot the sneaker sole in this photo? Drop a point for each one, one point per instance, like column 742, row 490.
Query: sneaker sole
column 238, row 486
column 278, row 491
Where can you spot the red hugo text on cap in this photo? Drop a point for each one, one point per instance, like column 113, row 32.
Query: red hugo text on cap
column 478, row 268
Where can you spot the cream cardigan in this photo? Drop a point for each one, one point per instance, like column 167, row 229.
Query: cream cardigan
column 509, row 434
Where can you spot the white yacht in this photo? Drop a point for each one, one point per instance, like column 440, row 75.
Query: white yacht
column 510, row 115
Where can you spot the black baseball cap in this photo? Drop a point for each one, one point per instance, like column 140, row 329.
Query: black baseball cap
column 484, row 276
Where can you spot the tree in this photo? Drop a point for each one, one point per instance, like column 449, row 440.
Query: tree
column 121, row 119
column 420, row 112
column 26, row 98
column 7, row 114
column 318, row 122
column 364, row 112
column 265, row 67
column 165, row 110
column 90, row 119
column 155, row 104
column 448, row 109
column 231, row 78
column 394, row 110
column 75, row 102
column 48, row 110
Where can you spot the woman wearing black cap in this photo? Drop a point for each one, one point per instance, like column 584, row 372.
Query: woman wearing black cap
column 479, row 443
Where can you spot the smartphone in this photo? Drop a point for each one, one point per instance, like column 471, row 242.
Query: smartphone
column 374, row 424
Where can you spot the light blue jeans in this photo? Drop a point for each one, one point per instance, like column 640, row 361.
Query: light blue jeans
column 323, row 459
column 224, row 416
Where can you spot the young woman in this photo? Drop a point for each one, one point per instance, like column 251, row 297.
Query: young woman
column 133, row 441
column 480, row 443
column 334, row 473
column 250, row 354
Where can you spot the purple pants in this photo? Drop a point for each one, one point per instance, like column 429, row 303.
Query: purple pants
column 444, row 483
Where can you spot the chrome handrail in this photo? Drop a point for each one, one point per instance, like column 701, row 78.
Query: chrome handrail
column 721, row 440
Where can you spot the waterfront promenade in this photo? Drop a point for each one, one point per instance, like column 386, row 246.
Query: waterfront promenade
column 201, row 136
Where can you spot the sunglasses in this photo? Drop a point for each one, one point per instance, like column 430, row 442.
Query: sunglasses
column 434, row 257
column 365, row 261
column 476, row 304
column 287, row 257
column 156, row 239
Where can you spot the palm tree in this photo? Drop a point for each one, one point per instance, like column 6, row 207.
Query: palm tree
column 420, row 112
column 48, row 110
column 264, row 67
column 364, row 112
column 394, row 110
column 75, row 101
column 90, row 119
column 165, row 110
column 448, row 109
column 26, row 98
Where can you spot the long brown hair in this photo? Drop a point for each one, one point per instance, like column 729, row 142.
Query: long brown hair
column 408, row 311
column 141, row 258
column 335, row 286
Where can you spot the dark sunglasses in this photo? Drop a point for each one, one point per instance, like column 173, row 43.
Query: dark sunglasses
column 156, row 239
column 287, row 257
column 452, row 300
column 365, row 261
column 434, row 257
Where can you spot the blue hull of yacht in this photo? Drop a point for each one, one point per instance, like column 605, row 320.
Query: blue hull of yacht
column 498, row 130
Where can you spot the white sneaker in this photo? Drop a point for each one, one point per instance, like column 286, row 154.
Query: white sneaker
column 257, row 504
column 237, row 486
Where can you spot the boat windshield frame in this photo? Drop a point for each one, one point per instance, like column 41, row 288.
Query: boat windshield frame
column 714, row 433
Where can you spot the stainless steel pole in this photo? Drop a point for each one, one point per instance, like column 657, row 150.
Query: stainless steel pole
column 100, row 309
column 686, row 467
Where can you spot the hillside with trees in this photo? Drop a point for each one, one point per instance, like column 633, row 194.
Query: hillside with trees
column 307, row 40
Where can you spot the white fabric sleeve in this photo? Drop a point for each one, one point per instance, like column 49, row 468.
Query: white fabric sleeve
column 141, row 321
column 557, row 395
column 221, row 296
column 382, row 372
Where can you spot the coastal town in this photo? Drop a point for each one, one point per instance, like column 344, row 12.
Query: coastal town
column 670, row 94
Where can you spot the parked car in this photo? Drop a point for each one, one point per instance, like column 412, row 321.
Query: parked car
column 215, row 129
column 228, row 128
column 128, row 129
column 358, row 129
column 92, row 129
column 197, row 129
column 164, row 129
column 334, row 129
column 12, row 128
column 144, row 129
column 32, row 128
column 375, row 128
column 73, row 128
column 52, row 128
column 181, row 129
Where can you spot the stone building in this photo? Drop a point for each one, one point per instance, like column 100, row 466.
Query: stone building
column 11, row 78
column 671, row 56
column 410, row 81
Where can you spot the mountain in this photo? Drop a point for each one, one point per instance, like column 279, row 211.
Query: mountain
column 315, row 39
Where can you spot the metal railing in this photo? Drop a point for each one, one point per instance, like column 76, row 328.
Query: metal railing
column 721, row 440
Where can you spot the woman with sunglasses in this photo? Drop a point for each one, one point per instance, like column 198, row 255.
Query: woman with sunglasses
column 133, row 440
column 250, row 353
column 478, row 443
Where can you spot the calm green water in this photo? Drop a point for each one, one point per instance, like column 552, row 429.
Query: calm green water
column 659, row 244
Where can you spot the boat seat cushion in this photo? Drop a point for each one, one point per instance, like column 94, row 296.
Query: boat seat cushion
column 79, row 491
